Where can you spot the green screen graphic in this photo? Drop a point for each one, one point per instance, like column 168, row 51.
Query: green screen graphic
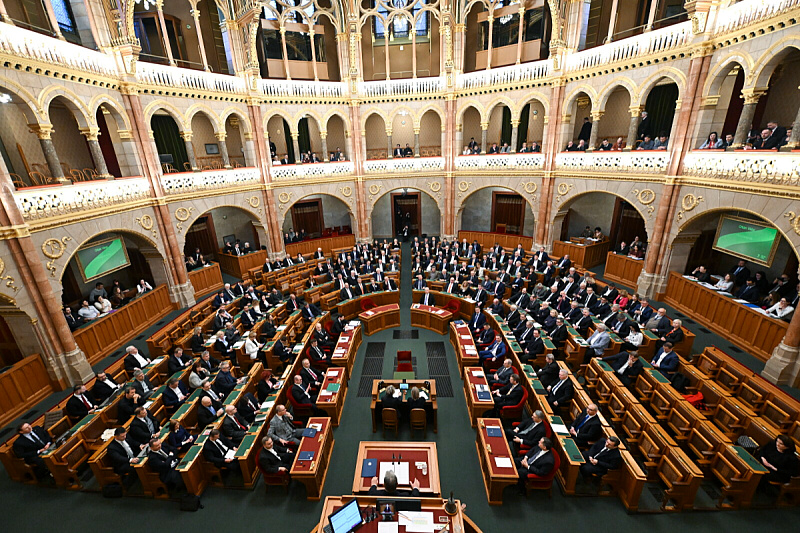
column 746, row 239
column 102, row 258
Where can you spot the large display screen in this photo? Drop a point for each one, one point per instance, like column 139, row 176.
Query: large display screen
column 746, row 239
column 100, row 258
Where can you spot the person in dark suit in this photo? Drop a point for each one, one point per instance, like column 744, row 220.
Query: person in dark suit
column 780, row 459
column 502, row 375
column 538, row 461
column 510, row 394
column 80, row 403
column 528, row 432
column 626, row 365
column 601, row 457
column 134, row 360
column 216, row 448
column 532, row 347
column 175, row 393
column 143, row 427
column 559, row 335
column 477, row 321
column 179, row 440
column 142, row 385
column 748, row 291
column 415, row 400
column 104, row 387
column 207, row 412
column 777, row 137
column 164, row 462
column 586, row 427
column 338, row 325
column 208, row 362
column 347, row 292
column 247, row 407
column 282, row 352
column 586, row 130
column 620, row 325
column 310, row 311
column 223, row 346
column 233, row 426
column 427, row 298
column 390, row 487
column 666, row 360
column 560, row 393
column 267, row 385
column 273, row 457
column 302, row 396
column 178, row 362
column 321, row 359
column 740, row 273
column 390, row 401
column 548, row 374
column 310, row 377
column 324, row 339
column 30, row 444
column 702, row 274
column 122, row 453
column 197, row 342
column 225, row 381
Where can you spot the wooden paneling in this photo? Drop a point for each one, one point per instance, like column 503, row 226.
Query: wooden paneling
column 206, row 280
column 326, row 243
column 487, row 240
column 755, row 333
column 623, row 270
column 582, row 256
column 22, row 387
column 237, row 266
column 106, row 334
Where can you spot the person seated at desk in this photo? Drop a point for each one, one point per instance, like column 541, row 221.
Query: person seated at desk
column 415, row 399
column 273, row 457
column 502, row 375
column 275, row 297
column 494, row 351
column 702, row 274
column 643, row 313
column 548, row 374
column 782, row 310
column 267, row 385
column 293, row 304
column 177, row 361
column 72, row 322
column 233, row 426
column 550, row 320
column 633, row 339
column 223, row 346
column 749, row 291
column 674, row 335
column 282, row 429
column 164, row 462
column 232, row 335
column 207, row 413
column 626, row 365
column 538, row 461
column 528, row 432
column 221, row 318
column 252, row 349
column 282, row 351
column 249, row 317
column 320, row 358
column 133, row 396
column 104, row 387
column 477, row 322
column 143, row 427
column 310, row 311
column 302, row 395
column 88, row 312
column 585, row 322
column 208, row 362
column 175, row 393
column 179, row 440
column 390, row 486
column 324, row 340
column 496, row 307
column 123, row 453
column 338, row 325
column 197, row 342
column 666, row 360
column 598, row 343
column 560, row 393
column 80, row 403
column 508, row 395
column 198, row 375
column 30, row 444
column 390, row 399
column 659, row 323
column 310, row 377
column 216, row 449
column 603, row 456
column 225, row 381
column 586, row 428
column 779, row 458
column 427, row 298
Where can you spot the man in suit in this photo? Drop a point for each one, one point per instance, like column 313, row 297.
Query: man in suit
column 420, row 283
column 248, row 317
column 175, row 393
column 164, row 464
column 397, row 152
column 206, row 412
column 586, row 427
column 233, row 426
column 598, row 342
column 548, row 374
column 390, row 284
column 564, row 265
column 80, row 403
column 502, row 374
column 390, row 486
column 627, row 366
column 247, row 407
column 302, row 395
column 477, row 321
column 128, row 403
column 666, row 360
column 659, row 323
column 619, row 324
column 293, row 304
column 141, row 384
column 122, row 453
column 585, row 322
column 560, row 393
column 310, row 311
column 225, row 381
column 510, row 394
column 601, row 457
column 538, row 461
column 532, row 348
column 310, row 376
column 749, row 291
column 281, row 428
column 740, row 273
column 104, row 387
column 347, row 292
column 32, row 442
column 560, row 334
column 514, row 317
column 177, row 361
column 134, row 360
column 494, row 351
column 273, row 457
column 143, row 427
column 321, row 359
column 427, row 298
column 777, row 137
column 72, row 322
column 215, row 450
column 528, row 432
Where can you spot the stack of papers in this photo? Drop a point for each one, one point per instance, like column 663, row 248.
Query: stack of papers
column 503, row 462
column 466, row 337
column 478, row 374
column 416, row 521
column 560, row 429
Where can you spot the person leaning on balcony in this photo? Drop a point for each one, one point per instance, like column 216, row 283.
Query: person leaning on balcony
column 605, row 145
column 661, row 143
column 728, row 141
column 581, row 146
column 473, row 145
column 619, row 145
column 407, row 151
column 466, row 151
column 494, row 149
column 340, row 155
column 506, row 149
column 646, row 144
column 713, row 142
column 397, row 152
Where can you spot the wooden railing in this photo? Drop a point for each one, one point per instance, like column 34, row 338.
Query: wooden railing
column 623, row 270
column 487, row 239
column 237, row 266
column 206, row 279
column 326, row 243
column 106, row 334
column 23, row 386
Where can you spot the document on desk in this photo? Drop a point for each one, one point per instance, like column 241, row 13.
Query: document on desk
column 416, row 521
column 503, row 462
column 559, row 429
column 477, row 373
column 466, row 337
column 230, row 454
column 388, row 527
column 399, row 469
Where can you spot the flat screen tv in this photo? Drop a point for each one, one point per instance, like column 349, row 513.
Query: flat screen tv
column 746, row 239
column 97, row 259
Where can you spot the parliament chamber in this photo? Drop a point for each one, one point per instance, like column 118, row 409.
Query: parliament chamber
column 443, row 265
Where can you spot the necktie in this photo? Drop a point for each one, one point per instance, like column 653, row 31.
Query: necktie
column 238, row 423
column 313, row 375
column 528, row 429
column 35, row 438
column 213, row 412
column 222, row 447
column 145, row 388
column 149, row 425
column 127, row 448
column 585, row 418
column 85, row 402
column 601, row 451
column 553, row 391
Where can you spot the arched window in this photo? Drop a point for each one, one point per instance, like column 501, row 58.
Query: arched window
column 400, row 27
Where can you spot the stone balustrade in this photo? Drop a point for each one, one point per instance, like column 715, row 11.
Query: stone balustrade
column 768, row 166
column 637, row 161
column 54, row 200
column 182, row 182
column 527, row 161
column 312, row 170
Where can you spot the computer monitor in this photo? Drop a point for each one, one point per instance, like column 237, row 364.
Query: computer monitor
column 346, row 518
column 404, row 386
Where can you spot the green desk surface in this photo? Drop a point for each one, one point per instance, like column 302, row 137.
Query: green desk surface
column 182, row 410
column 751, row 461
column 658, row 376
column 515, row 347
column 83, row 421
column 572, row 451
column 333, row 387
column 404, row 375
column 605, row 366
column 232, row 398
column 194, row 395
column 156, row 393
column 295, row 312
column 649, row 334
column 538, row 387
column 272, row 397
column 505, row 328
column 153, row 364
column 574, row 332
column 201, row 438
column 549, row 344
column 528, row 369
column 615, row 337
column 645, row 362
column 244, row 447
column 189, row 457
column 164, row 432
column 557, row 420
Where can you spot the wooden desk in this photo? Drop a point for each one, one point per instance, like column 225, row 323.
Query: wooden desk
column 309, row 246
column 380, row 318
column 475, row 407
column 466, row 306
column 432, row 318
column 407, row 452
column 312, row 474
column 239, row 266
column 488, row 239
column 434, row 505
column 571, row 457
column 346, row 348
column 431, row 406
column 495, row 478
column 623, row 270
column 333, row 402
column 464, row 345
column 755, row 332
column 206, row 279
column 352, row 307
column 582, row 256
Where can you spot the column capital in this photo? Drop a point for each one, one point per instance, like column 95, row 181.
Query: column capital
column 221, row 135
column 295, row 135
column 597, row 115
column 484, row 126
column 635, row 110
column 515, row 123
column 752, row 95
column 416, row 130
column 186, row 136
column 388, row 132
column 91, row 134
column 42, row 131
column 323, row 134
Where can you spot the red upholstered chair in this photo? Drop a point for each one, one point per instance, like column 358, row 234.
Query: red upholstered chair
column 499, row 385
column 277, row 479
column 544, row 482
column 328, row 327
column 404, row 363
column 404, row 355
column 300, row 410
column 514, row 412
column 367, row 304
column 454, row 306
column 548, row 432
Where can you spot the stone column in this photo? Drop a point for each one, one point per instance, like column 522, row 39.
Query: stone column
column 484, row 133
column 196, row 16
column 187, row 140
column 389, row 145
column 324, row 136
column 163, row 24
column 459, row 143
column 296, row 146
column 521, row 31
column 4, row 14
column 97, row 154
column 44, row 132
column 490, row 20
column 416, row 141
column 249, row 150
column 596, row 116
column 633, row 128
column 751, row 97
column 51, row 16
column 652, row 16
column 514, row 135
column 612, row 24
column 223, row 148
column 313, row 53
column 263, row 163
column 794, row 140
column 282, row 29
column 783, row 368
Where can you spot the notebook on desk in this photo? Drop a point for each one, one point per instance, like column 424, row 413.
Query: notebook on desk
column 369, row 468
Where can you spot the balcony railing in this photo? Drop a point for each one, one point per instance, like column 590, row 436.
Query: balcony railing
column 27, row 44
column 181, row 182
column 400, row 87
column 774, row 168
column 183, row 78
column 500, row 161
column 747, row 12
column 312, row 170
column 53, row 200
column 504, row 75
column 410, row 164
column 651, row 42
column 302, row 89
column 637, row 161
